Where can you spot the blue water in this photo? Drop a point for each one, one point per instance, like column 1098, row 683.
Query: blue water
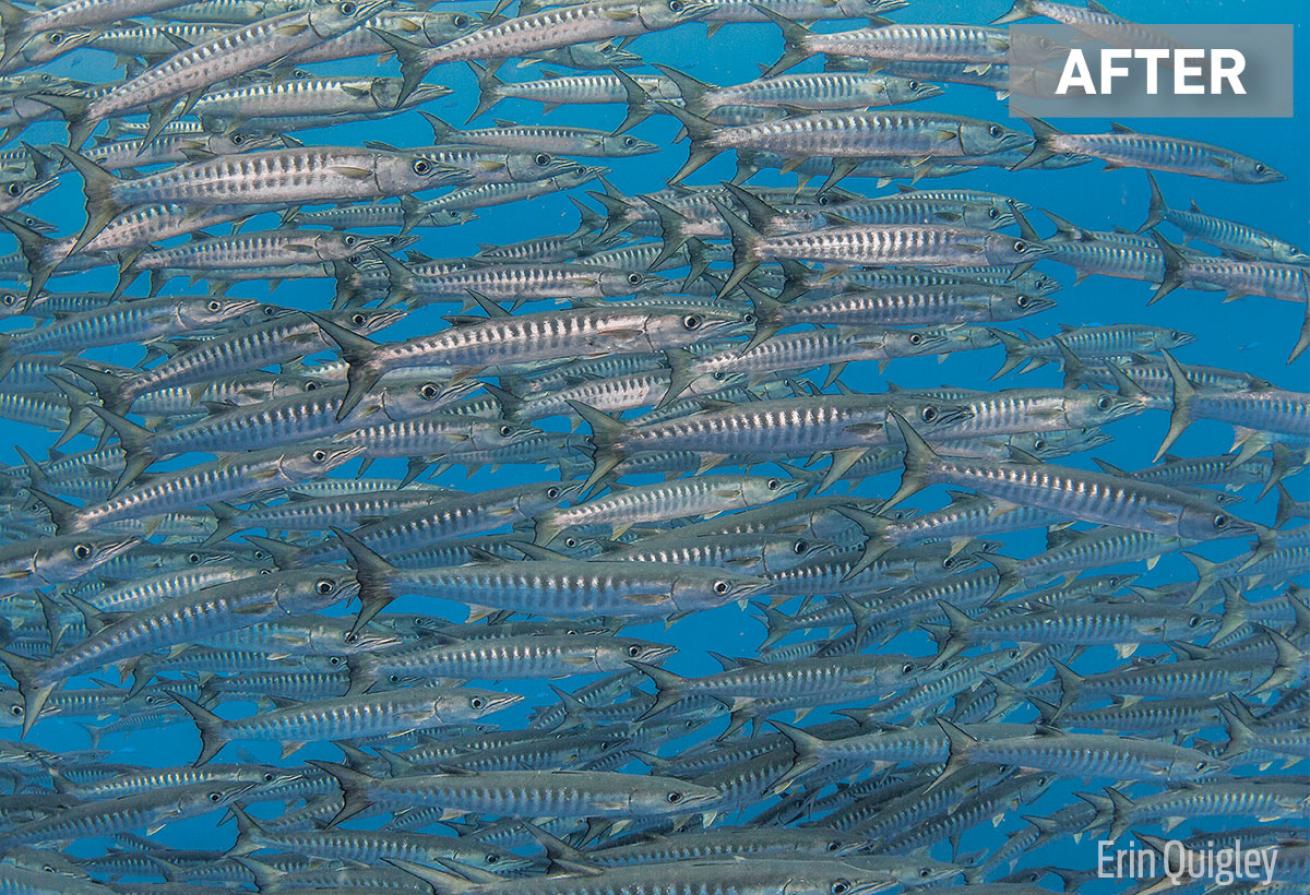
column 1253, row 335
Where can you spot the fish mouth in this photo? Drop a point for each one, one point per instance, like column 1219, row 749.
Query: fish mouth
column 502, row 701
column 658, row 654
column 1038, row 303
column 696, row 9
column 117, row 548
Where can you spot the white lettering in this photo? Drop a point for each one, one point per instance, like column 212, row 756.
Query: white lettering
column 1187, row 64
column 1110, row 71
column 1153, row 59
column 1076, row 74
column 1227, row 65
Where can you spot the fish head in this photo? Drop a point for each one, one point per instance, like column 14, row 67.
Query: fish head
column 477, row 703
column 437, row 27
column 47, row 45
column 909, row 90
column 1202, row 521
column 1196, row 766
column 1020, row 304
column 235, row 141
column 988, row 137
column 855, row 9
column 69, row 558
column 1096, row 407
column 615, row 283
column 367, row 321
column 657, row 15
column 526, row 167
column 1062, row 442
column 1002, row 249
column 645, row 651
column 757, row 490
column 315, row 461
column 448, row 217
column 674, row 797
column 213, row 794
column 782, row 553
column 898, row 343
column 328, row 18
column 1249, row 170
column 1168, row 339
column 932, row 415
column 12, row 708
column 11, row 302
column 704, row 591
column 625, row 146
column 20, row 192
column 713, row 383
column 484, row 857
column 202, row 313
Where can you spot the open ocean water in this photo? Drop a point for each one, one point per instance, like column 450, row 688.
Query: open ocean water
column 1099, row 729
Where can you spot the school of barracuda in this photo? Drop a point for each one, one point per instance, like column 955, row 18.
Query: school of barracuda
column 206, row 542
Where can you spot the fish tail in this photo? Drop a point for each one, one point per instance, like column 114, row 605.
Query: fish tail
column 440, row 882
column 793, row 42
column 920, row 459
column 358, row 352
column 110, row 387
column 373, row 574
column 1016, row 351
column 694, row 92
column 73, row 107
column 1183, row 394
column 363, row 673
column 698, row 262
column 960, row 742
column 777, row 624
column 442, row 133
column 1157, row 209
column 1071, row 683
column 1043, row 135
column 1009, row 574
column 768, row 316
column 354, row 789
column 13, row 21
column 1121, row 812
column 1303, row 339
column 136, row 442
column 877, row 539
column 62, row 513
column 805, row 750
column 956, row 636
column 746, row 242
column 247, row 830
column 35, row 249
column 1022, row 9
column 670, row 688
column 490, row 89
column 412, row 213
column 213, row 736
column 605, row 435
column 673, row 230
column 1173, row 267
column 27, row 674
column 700, row 132
column 98, row 188
column 413, row 66
column 400, row 280
column 1287, row 508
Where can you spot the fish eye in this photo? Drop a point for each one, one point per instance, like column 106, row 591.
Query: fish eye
column 541, row 158
column 925, row 872
column 800, row 548
column 393, row 678
column 269, row 776
column 1194, row 621
column 193, row 558
column 14, row 188
column 691, row 322
column 839, row 887
column 719, row 375
column 347, row 8
column 350, row 240
column 506, row 431
column 266, row 571
column 674, row 797
column 215, row 797
column 477, row 702
column 928, row 414
column 773, row 484
column 215, row 306
column 1202, row 765
column 15, row 710
column 1020, row 246
column 629, row 141
column 916, row 339
column 634, row 279
column 907, row 668
column 570, row 542
column 748, row 318
column 351, row 637
column 994, row 130
column 10, row 298
column 82, row 551
column 460, row 21
column 237, row 139
column 491, row 859
column 422, row 166
column 1023, row 301
column 55, row 38
column 1105, row 402
column 1259, row 168
column 1220, row 520
column 354, row 259
column 993, row 213
column 1039, row 444
column 634, row 651
column 834, row 845
column 358, row 319
column 325, row 586
column 311, row 386
column 318, row 456
column 429, row 390
column 552, row 493
column 675, row 5
column 721, row 587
